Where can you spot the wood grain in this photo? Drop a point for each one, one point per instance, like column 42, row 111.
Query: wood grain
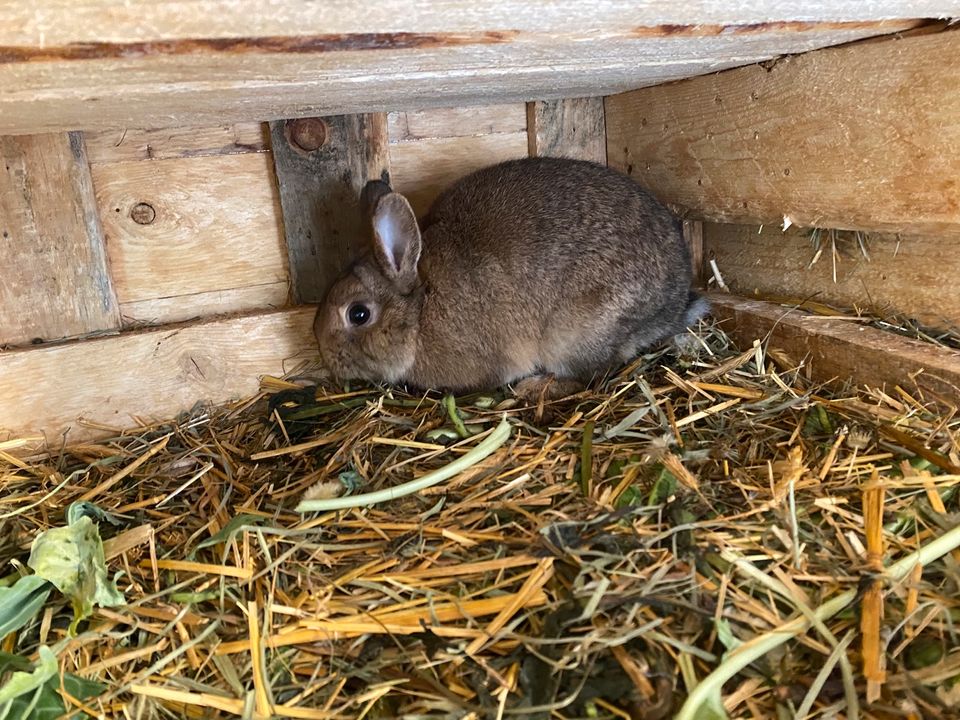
column 570, row 128
column 850, row 137
column 99, row 65
column 182, row 308
column 216, row 227
column 320, row 194
column 413, row 125
column 841, row 351
column 60, row 22
column 903, row 275
column 55, row 280
column 421, row 170
column 118, row 382
column 164, row 143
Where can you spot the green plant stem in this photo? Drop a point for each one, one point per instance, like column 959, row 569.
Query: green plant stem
column 450, row 404
column 762, row 644
column 497, row 437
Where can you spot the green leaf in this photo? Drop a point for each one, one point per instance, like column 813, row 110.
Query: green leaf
column 83, row 508
column 665, row 486
column 72, row 559
column 46, row 703
column 20, row 602
column 630, row 497
column 725, row 635
column 10, row 661
column 22, row 682
column 713, row 709
column 818, row 422
column 227, row 532
column 923, row 652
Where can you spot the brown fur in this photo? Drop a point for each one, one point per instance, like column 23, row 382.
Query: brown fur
column 539, row 265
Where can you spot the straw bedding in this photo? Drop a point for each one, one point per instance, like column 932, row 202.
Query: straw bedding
column 623, row 547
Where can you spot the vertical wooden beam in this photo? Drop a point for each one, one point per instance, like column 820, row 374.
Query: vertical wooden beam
column 322, row 165
column 55, row 279
column 693, row 234
column 572, row 128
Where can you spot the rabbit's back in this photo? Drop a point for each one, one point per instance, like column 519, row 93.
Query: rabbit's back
column 566, row 209
column 560, row 264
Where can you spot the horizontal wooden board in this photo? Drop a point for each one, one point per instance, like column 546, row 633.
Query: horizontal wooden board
column 216, row 227
column 61, row 22
column 898, row 275
column 55, row 282
column 145, row 376
column 841, row 350
column 850, row 137
column 101, row 65
column 205, row 305
column 421, row 170
column 163, row 143
column 413, row 125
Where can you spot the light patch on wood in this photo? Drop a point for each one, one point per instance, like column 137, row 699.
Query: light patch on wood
column 216, row 225
column 190, row 81
column 903, row 276
column 841, row 350
column 55, row 281
column 852, row 137
column 124, row 145
column 151, row 375
column 413, row 125
column 183, row 308
column 570, row 128
column 693, row 235
column 421, row 170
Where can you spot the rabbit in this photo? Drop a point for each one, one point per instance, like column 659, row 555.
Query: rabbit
column 529, row 270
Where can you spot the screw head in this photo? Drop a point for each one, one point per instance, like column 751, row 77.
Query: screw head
column 307, row 134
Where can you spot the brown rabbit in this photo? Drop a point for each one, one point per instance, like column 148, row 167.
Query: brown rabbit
column 534, row 267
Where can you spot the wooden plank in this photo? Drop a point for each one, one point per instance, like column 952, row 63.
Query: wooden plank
column 571, row 128
column 849, row 137
column 414, row 125
column 184, row 227
column 150, row 375
column 164, row 143
column 90, row 21
column 322, row 165
column 183, row 308
column 421, row 170
column 197, row 63
column 842, row 350
column 55, row 279
column 904, row 275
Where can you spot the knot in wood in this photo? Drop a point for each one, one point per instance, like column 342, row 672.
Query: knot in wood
column 307, row 134
column 143, row 213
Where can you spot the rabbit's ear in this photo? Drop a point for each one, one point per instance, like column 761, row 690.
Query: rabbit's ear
column 396, row 241
column 371, row 194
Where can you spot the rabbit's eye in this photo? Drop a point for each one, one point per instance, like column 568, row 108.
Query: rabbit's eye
column 358, row 314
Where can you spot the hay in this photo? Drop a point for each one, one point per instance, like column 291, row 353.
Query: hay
column 701, row 525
